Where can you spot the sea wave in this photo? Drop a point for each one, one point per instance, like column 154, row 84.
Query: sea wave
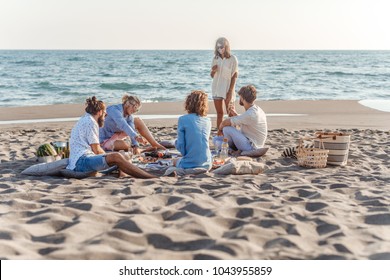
column 13, row 101
column 106, row 75
column 47, row 86
column 29, row 63
column 69, row 93
column 76, row 58
column 357, row 74
column 36, row 94
column 273, row 72
column 339, row 73
column 124, row 86
column 6, row 86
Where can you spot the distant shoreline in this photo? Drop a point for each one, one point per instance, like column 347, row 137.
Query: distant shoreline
column 144, row 117
column 265, row 50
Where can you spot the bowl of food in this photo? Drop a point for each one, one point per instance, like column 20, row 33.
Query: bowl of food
column 62, row 148
column 59, row 144
column 217, row 162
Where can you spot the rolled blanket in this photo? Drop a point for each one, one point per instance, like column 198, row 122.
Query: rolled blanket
column 183, row 172
column 291, row 152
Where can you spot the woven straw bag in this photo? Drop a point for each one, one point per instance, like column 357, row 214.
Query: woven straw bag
column 311, row 157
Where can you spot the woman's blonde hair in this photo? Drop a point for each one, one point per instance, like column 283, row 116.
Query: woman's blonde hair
column 197, row 102
column 134, row 100
column 225, row 42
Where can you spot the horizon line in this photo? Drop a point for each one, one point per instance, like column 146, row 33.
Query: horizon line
column 55, row 49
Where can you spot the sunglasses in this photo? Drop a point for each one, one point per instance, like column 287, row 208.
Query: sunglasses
column 220, row 47
column 136, row 107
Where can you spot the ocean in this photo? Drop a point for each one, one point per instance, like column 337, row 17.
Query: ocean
column 43, row 77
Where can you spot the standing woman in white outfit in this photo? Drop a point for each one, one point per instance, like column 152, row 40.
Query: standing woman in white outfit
column 224, row 71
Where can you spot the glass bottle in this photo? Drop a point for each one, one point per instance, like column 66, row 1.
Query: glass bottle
column 224, row 154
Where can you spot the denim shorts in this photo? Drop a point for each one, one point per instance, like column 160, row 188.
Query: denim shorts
column 90, row 163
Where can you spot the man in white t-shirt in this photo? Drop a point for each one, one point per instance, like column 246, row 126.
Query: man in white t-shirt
column 86, row 155
column 252, row 123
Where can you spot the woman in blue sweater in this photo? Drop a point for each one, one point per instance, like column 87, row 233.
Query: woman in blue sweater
column 120, row 123
column 193, row 133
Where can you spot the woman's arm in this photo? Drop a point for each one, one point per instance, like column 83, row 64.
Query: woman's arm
column 232, row 86
column 214, row 67
column 181, row 141
column 120, row 121
column 213, row 71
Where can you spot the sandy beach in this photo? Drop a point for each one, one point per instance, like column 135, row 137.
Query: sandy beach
column 288, row 212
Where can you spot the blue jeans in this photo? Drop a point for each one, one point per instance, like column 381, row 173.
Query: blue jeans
column 90, row 163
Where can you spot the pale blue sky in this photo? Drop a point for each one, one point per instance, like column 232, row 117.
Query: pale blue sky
column 194, row 24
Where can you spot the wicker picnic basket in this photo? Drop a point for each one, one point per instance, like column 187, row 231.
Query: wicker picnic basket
column 311, row 157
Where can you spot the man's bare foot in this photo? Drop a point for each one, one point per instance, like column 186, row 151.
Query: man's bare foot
column 172, row 174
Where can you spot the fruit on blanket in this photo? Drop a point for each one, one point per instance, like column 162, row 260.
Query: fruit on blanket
column 46, row 150
column 158, row 154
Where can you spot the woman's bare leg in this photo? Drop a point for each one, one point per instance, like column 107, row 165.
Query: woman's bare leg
column 121, row 145
column 141, row 127
column 125, row 166
column 219, row 108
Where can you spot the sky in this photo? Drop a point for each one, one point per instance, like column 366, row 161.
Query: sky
column 195, row 24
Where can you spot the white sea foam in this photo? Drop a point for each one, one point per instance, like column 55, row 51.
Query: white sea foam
column 381, row 105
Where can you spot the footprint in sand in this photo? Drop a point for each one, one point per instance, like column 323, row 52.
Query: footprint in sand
column 128, row 225
column 80, row 206
column 51, row 239
column 325, row 228
column 160, row 241
column 378, row 219
column 315, row 206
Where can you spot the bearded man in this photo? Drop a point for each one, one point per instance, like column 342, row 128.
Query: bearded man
column 253, row 123
column 86, row 154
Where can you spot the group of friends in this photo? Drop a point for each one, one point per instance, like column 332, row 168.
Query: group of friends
column 103, row 131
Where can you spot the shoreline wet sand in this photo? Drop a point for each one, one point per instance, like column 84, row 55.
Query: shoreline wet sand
column 307, row 114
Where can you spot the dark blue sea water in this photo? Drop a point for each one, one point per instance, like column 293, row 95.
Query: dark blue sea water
column 38, row 77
